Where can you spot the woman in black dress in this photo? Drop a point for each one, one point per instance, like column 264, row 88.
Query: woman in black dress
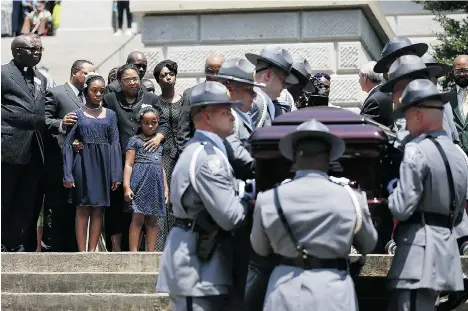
column 127, row 103
column 170, row 102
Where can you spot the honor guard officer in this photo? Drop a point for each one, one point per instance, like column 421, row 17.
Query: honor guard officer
column 395, row 48
column 196, row 267
column 311, row 223
column 426, row 259
column 449, row 123
column 238, row 75
column 301, row 69
column 273, row 68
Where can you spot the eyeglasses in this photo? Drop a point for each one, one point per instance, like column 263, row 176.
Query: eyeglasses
column 460, row 70
column 325, row 75
column 131, row 80
column 264, row 68
column 32, row 49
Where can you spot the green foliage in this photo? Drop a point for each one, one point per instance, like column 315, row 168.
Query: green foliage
column 454, row 39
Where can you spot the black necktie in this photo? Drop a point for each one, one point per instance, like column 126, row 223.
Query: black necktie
column 80, row 96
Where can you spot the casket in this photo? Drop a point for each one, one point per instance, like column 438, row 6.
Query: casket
column 366, row 161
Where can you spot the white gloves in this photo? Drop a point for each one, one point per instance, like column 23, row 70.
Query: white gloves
column 339, row 180
column 392, row 185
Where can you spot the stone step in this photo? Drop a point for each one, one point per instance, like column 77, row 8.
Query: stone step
column 84, row 302
column 376, row 265
column 79, row 282
column 81, row 262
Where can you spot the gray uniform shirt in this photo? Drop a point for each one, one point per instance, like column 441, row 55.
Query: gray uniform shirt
column 322, row 216
column 181, row 272
column 427, row 256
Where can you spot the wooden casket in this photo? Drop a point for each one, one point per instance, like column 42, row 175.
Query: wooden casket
column 366, row 161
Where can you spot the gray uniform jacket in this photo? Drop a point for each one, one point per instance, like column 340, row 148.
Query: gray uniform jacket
column 322, row 216
column 427, row 256
column 238, row 147
column 259, row 113
column 404, row 136
column 181, row 272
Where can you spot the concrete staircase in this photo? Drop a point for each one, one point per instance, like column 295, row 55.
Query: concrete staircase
column 81, row 281
column 85, row 33
column 126, row 282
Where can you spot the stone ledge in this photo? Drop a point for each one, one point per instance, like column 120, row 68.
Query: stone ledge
column 84, row 301
column 80, row 262
column 370, row 8
column 79, row 282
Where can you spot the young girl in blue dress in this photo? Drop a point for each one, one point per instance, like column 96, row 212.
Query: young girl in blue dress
column 96, row 170
column 145, row 184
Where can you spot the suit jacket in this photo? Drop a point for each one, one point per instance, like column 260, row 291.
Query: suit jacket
column 181, row 272
column 23, row 117
column 238, row 148
column 322, row 217
column 461, row 122
column 186, row 127
column 378, row 106
column 59, row 101
column 427, row 256
column 128, row 116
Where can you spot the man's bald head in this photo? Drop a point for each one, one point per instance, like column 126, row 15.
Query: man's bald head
column 213, row 64
column 460, row 70
column 27, row 49
column 461, row 59
column 138, row 59
column 134, row 56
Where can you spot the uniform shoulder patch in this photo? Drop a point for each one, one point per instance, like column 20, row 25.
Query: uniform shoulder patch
column 410, row 153
column 215, row 164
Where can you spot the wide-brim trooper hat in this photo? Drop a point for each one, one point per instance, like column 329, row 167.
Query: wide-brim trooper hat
column 408, row 66
column 396, row 47
column 302, row 70
column 276, row 56
column 417, row 92
column 240, row 70
column 430, row 61
column 312, row 129
column 211, row 93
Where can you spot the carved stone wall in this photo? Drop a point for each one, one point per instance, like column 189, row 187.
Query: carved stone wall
column 337, row 42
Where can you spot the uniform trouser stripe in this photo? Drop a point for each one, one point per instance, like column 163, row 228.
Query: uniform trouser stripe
column 189, row 303
column 413, row 300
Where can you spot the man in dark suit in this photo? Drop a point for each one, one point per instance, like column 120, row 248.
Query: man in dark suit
column 60, row 103
column 23, row 125
column 186, row 128
column 378, row 105
column 136, row 58
column 459, row 100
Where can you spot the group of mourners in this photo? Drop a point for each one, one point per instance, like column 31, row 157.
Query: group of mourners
column 187, row 159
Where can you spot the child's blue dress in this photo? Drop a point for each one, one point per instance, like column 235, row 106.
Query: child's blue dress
column 147, row 180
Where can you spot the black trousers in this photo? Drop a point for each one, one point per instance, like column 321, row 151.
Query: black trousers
column 121, row 6
column 58, row 206
column 20, row 208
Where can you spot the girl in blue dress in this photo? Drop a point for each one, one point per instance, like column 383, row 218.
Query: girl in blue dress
column 96, row 170
column 145, row 184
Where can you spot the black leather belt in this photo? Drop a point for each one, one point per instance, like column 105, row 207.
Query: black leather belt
column 316, row 263
column 431, row 219
column 184, row 223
